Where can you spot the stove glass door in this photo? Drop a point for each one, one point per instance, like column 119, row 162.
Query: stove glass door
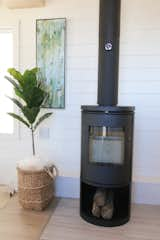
column 106, row 145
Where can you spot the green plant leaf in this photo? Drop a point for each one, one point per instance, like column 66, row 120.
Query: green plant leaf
column 18, row 103
column 16, row 74
column 35, row 70
column 41, row 119
column 31, row 113
column 19, row 119
column 34, row 97
column 29, row 78
column 17, row 88
column 29, row 83
column 12, row 82
column 32, row 92
column 38, row 97
column 20, row 94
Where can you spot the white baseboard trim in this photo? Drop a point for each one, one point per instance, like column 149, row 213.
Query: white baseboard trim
column 142, row 193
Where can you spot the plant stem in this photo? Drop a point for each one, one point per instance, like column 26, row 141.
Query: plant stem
column 33, row 144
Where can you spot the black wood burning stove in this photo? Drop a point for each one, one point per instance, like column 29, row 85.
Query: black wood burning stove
column 107, row 135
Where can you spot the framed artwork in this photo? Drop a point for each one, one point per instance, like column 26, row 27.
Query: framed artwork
column 50, row 58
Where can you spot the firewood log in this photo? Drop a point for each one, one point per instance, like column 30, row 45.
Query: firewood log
column 96, row 211
column 100, row 197
column 108, row 209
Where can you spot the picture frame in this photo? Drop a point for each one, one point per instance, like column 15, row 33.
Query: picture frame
column 50, row 58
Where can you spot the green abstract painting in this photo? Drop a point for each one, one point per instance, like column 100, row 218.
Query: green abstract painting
column 50, row 47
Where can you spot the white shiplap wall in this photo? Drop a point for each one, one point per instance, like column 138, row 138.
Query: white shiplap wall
column 139, row 83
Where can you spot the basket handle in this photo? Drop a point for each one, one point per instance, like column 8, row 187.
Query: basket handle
column 51, row 174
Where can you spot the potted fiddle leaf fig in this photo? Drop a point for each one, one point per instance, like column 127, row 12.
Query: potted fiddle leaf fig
column 31, row 93
column 34, row 177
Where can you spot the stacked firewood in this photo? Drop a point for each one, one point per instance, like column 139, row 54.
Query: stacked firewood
column 103, row 204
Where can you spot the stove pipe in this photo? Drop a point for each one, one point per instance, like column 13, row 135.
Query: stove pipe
column 109, row 31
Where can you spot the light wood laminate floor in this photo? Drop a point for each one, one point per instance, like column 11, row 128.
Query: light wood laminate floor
column 19, row 224
column 65, row 224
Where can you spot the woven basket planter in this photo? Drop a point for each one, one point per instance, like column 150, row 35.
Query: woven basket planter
column 35, row 188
